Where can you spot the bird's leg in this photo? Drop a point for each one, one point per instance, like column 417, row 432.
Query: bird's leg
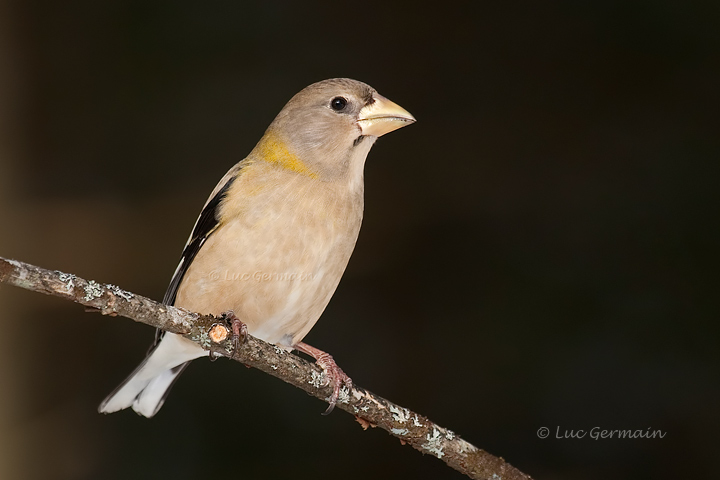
column 239, row 329
column 337, row 378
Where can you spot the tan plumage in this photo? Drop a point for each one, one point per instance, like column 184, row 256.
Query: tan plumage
column 276, row 233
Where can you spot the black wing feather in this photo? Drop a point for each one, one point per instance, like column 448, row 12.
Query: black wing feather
column 203, row 229
column 205, row 226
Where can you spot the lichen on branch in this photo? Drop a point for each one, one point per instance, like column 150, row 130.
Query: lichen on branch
column 205, row 330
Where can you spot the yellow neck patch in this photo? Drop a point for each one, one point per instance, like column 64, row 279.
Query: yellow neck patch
column 272, row 150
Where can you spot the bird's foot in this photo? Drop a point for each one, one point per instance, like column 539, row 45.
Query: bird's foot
column 238, row 328
column 336, row 377
column 239, row 332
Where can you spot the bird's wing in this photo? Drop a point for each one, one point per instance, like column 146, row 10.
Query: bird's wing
column 205, row 225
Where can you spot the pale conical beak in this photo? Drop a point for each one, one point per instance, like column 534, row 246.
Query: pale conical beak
column 383, row 116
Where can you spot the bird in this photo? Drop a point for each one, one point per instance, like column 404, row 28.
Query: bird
column 275, row 235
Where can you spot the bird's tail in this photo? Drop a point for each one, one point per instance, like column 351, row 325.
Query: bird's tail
column 148, row 386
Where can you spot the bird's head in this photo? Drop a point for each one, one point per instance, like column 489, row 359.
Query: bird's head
column 330, row 126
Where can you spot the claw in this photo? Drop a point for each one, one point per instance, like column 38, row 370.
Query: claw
column 336, row 377
column 238, row 328
column 211, row 355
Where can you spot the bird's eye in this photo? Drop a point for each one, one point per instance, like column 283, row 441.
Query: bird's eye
column 338, row 104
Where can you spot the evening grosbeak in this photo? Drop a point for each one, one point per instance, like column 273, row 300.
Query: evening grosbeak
column 276, row 234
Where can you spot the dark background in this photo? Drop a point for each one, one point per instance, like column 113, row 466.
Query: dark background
column 539, row 250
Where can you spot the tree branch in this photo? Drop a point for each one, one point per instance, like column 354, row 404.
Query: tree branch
column 209, row 332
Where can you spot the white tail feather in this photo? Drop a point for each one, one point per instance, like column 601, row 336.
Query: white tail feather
column 145, row 389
